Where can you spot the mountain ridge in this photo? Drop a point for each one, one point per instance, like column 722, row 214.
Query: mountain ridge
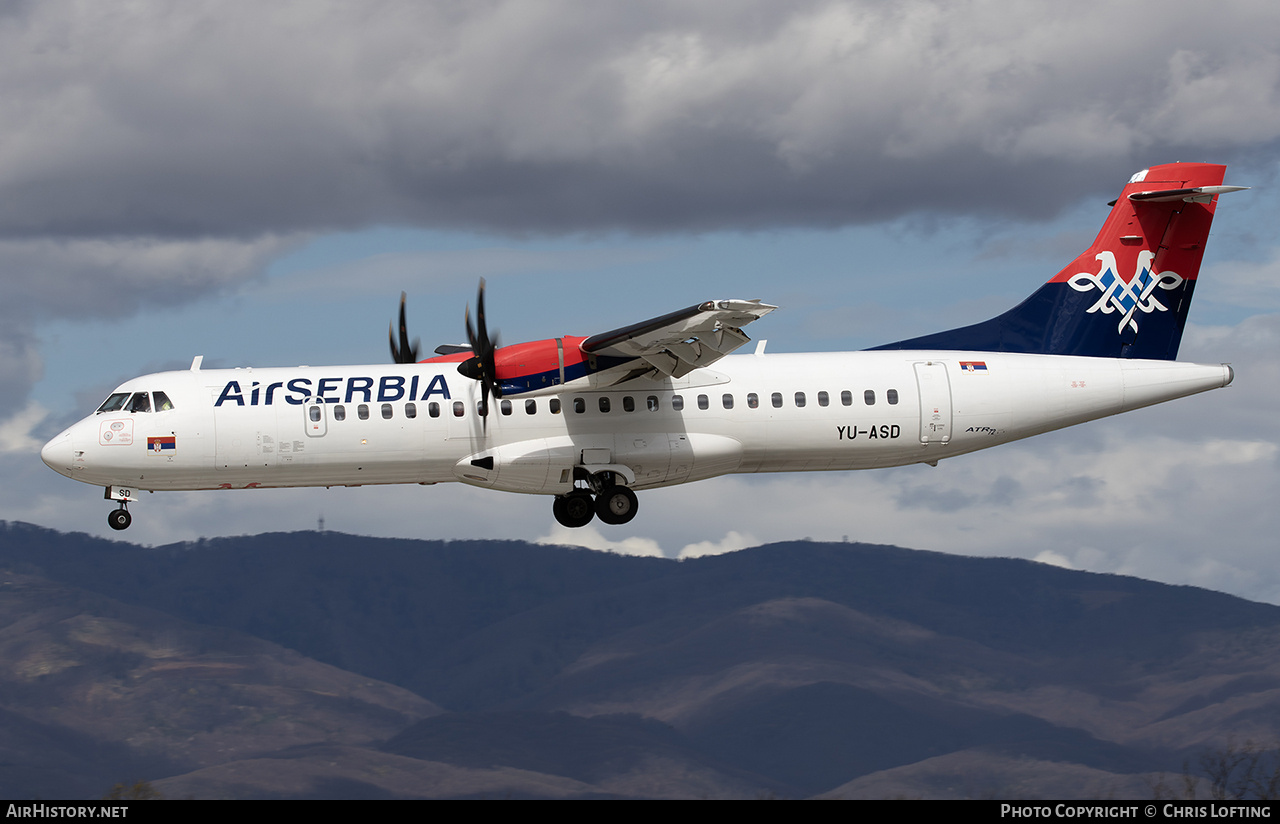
column 791, row 669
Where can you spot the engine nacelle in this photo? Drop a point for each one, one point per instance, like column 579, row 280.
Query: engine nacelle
column 539, row 365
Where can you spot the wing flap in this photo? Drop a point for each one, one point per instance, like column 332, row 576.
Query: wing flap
column 677, row 343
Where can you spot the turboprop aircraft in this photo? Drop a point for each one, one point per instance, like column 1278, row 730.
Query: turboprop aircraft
column 592, row 420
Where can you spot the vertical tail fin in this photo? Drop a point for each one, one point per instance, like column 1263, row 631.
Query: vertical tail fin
column 1127, row 296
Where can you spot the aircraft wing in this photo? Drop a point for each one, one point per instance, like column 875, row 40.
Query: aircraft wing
column 677, row 343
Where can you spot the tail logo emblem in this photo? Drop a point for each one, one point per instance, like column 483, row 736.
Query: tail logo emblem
column 1127, row 298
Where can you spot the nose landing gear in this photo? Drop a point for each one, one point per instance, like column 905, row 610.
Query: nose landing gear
column 119, row 518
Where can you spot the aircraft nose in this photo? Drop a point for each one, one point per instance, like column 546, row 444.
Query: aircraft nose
column 57, row 453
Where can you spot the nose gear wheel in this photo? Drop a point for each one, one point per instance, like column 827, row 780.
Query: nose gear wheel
column 119, row 519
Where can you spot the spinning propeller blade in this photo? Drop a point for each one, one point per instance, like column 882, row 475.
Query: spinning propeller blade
column 482, row 367
column 405, row 352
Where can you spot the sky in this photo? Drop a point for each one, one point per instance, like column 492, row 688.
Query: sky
column 257, row 183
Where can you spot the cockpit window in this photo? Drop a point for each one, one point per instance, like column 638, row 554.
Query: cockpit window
column 114, row 403
column 140, row 402
column 163, row 404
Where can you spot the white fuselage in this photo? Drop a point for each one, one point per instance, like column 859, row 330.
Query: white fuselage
column 420, row 423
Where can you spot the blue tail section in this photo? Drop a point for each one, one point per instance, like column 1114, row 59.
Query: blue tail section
column 1127, row 296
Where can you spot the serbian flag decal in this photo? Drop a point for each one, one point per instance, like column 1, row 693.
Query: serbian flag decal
column 164, row 445
column 973, row 365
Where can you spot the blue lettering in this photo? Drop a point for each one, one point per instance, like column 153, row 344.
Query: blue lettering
column 253, row 396
column 413, row 388
column 229, row 395
column 355, row 385
column 326, row 386
column 302, row 386
column 436, row 387
column 388, row 385
column 271, row 390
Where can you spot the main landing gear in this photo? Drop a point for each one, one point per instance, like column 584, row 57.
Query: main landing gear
column 613, row 503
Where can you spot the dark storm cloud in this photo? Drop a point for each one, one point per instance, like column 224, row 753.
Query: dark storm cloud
column 195, row 119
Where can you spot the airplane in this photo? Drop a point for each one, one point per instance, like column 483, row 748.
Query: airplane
column 592, row 420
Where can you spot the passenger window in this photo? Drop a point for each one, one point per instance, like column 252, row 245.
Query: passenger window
column 458, row 409
column 362, row 411
column 628, row 403
column 799, row 399
column 410, row 410
column 823, row 399
column 433, row 409
column 604, row 403
column 386, row 411
column 776, row 398
column 114, row 403
column 652, row 403
column 727, row 400
column 339, row 413
column 530, row 407
column 554, row 406
column 892, row 396
column 846, row 398
column 703, row 403
column 141, row 402
column 579, row 406
column 753, row 400
column 314, row 413
column 677, row 402
column 504, row 406
column 482, row 409
column 163, row 404
column 869, row 397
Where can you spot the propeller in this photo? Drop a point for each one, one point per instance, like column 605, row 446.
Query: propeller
column 481, row 367
column 405, row 352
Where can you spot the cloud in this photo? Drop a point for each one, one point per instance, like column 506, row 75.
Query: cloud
column 1053, row 559
column 82, row 279
column 420, row 270
column 114, row 277
column 20, row 365
column 241, row 119
column 16, row 432
column 732, row 542
column 1254, row 285
column 589, row 536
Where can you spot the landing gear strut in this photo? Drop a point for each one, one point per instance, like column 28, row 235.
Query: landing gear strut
column 119, row 518
column 613, row 503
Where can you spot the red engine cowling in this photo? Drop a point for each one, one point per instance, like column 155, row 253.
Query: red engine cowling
column 527, row 367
